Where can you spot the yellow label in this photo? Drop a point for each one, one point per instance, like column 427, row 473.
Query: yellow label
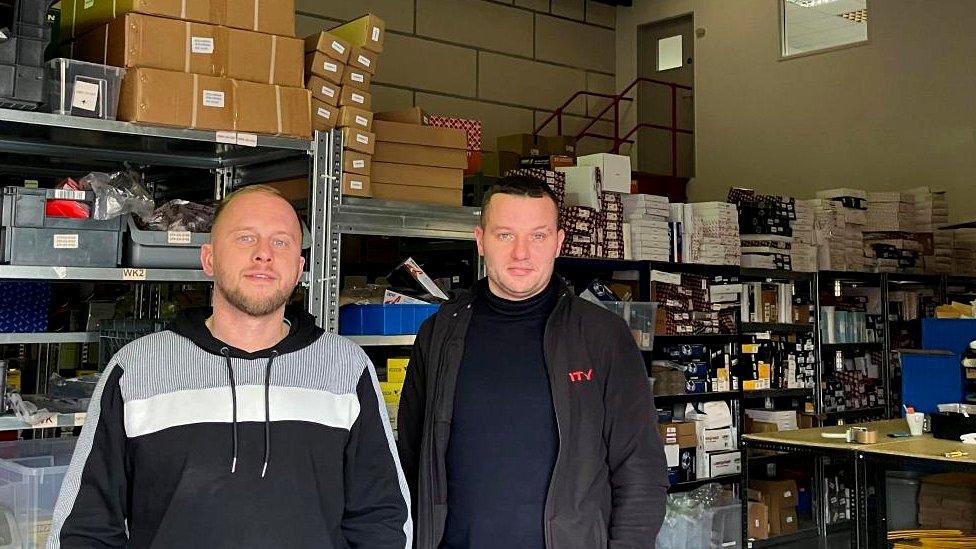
column 13, row 379
column 391, row 391
column 396, row 369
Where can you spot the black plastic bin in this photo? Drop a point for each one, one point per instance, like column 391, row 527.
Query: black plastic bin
column 22, row 76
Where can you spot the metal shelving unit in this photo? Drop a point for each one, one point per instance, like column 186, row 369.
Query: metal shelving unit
column 392, row 340
column 47, row 338
column 692, row 484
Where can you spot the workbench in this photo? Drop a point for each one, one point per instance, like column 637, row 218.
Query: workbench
column 870, row 462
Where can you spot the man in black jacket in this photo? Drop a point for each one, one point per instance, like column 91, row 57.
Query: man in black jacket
column 526, row 419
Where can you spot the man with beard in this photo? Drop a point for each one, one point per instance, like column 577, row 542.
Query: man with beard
column 240, row 426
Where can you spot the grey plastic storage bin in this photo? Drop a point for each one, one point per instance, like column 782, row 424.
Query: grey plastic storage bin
column 901, row 489
column 162, row 249
column 31, row 473
column 29, row 237
column 84, row 89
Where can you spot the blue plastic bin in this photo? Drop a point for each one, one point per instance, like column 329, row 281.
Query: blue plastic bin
column 383, row 319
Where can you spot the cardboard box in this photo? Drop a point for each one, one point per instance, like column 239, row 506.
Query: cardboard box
column 354, row 184
column 558, row 145
column 787, row 522
column 368, row 31
column 395, row 132
column 717, row 440
column 330, row 45
column 77, row 18
column 507, row 161
column 423, row 195
column 273, row 110
column 321, row 65
column 267, row 16
column 396, row 369
column 421, row 176
column 778, row 493
column 724, row 463
column 324, row 91
column 413, row 115
column 355, row 97
column 681, row 433
column 142, row 41
column 582, row 186
column 356, row 78
column 355, row 118
column 363, row 59
column 168, row 98
column 324, row 116
column 615, row 171
column 293, row 190
column 758, row 521
column 358, row 140
column 420, row 155
column 522, row 144
column 356, row 162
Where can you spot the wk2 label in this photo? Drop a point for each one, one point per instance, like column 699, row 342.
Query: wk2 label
column 134, row 274
column 66, row 242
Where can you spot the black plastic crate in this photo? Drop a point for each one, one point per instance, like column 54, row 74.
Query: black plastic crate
column 32, row 12
column 22, row 78
column 21, row 86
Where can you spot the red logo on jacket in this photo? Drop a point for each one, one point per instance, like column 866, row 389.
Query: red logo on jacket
column 580, row 375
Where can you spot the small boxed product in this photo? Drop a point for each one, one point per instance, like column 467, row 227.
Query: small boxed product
column 331, row 46
column 614, row 170
column 321, row 65
column 355, row 97
column 324, row 91
column 420, row 176
column 358, row 140
column 354, row 184
column 582, row 186
column 353, row 77
column 413, row 115
column 523, row 144
column 267, row 16
column 84, row 89
column 367, row 31
column 355, row 117
column 355, row 162
column 363, row 59
column 420, row 155
column 273, row 110
column 396, row 132
column 324, row 116
column 179, row 99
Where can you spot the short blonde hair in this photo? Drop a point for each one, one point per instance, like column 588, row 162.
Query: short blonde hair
column 243, row 191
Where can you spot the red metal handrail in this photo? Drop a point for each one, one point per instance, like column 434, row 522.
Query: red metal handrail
column 615, row 105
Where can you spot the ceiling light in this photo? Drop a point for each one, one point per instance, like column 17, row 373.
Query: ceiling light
column 811, row 3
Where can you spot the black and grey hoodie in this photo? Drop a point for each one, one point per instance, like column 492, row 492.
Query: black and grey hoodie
column 191, row 443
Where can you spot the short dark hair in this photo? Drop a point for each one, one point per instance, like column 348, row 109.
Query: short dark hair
column 519, row 185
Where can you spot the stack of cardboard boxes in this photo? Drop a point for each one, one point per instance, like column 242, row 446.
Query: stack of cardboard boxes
column 340, row 64
column 680, row 447
column 223, row 65
column 945, row 501
column 396, row 375
column 779, row 497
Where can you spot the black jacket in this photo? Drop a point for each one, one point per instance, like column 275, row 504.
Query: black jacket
column 191, row 443
column 609, row 484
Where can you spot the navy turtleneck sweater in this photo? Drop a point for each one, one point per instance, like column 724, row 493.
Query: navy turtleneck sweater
column 503, row 440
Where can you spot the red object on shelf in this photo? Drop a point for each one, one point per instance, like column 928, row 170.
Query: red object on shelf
column 67, row 208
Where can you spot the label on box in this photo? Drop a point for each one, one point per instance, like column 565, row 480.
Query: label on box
column 66, row 242
column 364, row 139
column 330, row 67
column 200, row 44
column 338, row 47
column 177, row 237
column 327, row 91
column 358, row 164
column 667, row 278
column 213, row 98
column 376, row 34
column 324, row 113
column 362, row 121
column 89, row 3
column 67, row 194
column 129, row 273
column 358, row 98
column 356, row 77
column 84, row 96
column 357, row 185
column 363, row 60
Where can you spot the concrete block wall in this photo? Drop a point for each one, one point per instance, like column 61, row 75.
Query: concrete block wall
column 508, row 63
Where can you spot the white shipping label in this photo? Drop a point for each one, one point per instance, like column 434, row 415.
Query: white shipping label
column 84, row 96
column 201, row 44
column 362, row 139
column 362, row 121
column 213, row 98
column 68, row 194
column 358, row 163
column 358, row 98
column 177, row 237
column 376, row 34
column 330, row 67
column 338, row 47
column 324, row 113
column 356, row 77
column 89, row 3
column 363, row 60
column 358, row 185
column 66, row 242
column 328, row 92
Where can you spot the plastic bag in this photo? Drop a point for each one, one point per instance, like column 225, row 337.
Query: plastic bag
column 181, row 215
column 27, row 411
column 118, row 194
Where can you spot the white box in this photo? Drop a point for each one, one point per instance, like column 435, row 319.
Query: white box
column 717, row 440
column 614, row 170
column 582, row 186
column 723, row 463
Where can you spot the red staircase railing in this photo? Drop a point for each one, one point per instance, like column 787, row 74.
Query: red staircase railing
column 614, row 104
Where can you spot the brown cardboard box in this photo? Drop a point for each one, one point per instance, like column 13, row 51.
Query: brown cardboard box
column 421, row 176
column 413, row 115
column 420, row 155
column 787, row 521
column 758, row 521
column 356, row 162
column 274, row 110
column 267, row 16
column 507, row 161
column 412, row 193
column 356, row 118
column 358, row 140
column 320, row 64
column 368, row 31
column 136, row 40
column 324, row 91
column 559, row 144
column 395, row 132
column 356, row 78
column 363, row 59
column 332, row 46
column 781, row 493
column 179, row 99
column 77, row 18
column 490, row 164
column 675, row 429
column 356, row 185
column 752, row 427
column 522, row 144
column 356, row 98
column 324, row 116
column 292, row 189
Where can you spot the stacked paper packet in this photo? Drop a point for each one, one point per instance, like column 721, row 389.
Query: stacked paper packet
column 711, row 234
column 890, row 211
column 830, row 230
column 804, row 238
column 931, row 211
column 854, row 210
column 611, row 242
column 765, row 228
column 646, row 225
column 964, row 252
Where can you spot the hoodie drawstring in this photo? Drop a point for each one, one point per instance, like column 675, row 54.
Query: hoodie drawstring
column 233, row 396
column 267, row 412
